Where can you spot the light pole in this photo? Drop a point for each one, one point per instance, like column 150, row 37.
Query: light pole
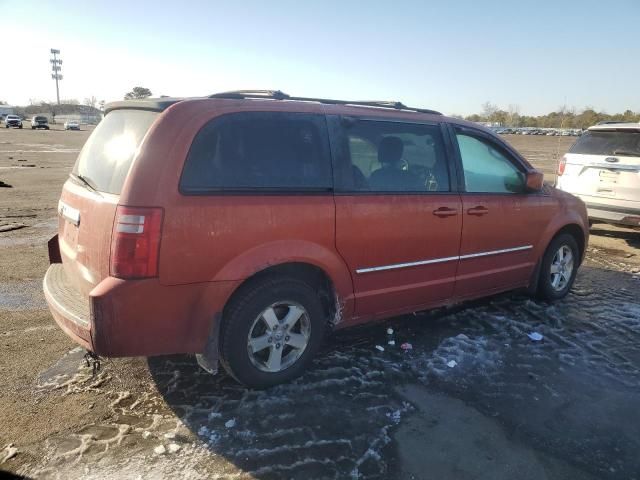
column 56, row 68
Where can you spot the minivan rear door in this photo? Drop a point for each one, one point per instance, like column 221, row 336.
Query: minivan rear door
column 398, row 214
column 90, row 195
column 604, row 163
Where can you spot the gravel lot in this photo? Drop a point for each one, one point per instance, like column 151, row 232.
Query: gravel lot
column 565, row 407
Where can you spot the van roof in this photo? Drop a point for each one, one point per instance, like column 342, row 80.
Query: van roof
column 162, row 103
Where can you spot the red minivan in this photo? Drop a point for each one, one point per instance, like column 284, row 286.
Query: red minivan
column 243, row 226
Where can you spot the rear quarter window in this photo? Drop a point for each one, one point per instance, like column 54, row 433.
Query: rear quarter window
column 106, row 158
column 263, row 151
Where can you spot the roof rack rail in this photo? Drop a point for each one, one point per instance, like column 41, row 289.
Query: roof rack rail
column 279, row 95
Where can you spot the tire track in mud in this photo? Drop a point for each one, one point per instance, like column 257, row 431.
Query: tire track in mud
column 337, row 421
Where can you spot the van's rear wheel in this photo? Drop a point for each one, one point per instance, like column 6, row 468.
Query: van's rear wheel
column 271, row 331
column 559, row 268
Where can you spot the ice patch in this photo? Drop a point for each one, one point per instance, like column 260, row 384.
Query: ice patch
column 459, row 351
column 535, row 336
column 9, row 452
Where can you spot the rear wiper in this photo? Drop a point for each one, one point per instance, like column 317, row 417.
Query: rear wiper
column 626, row 152
column 86, row 181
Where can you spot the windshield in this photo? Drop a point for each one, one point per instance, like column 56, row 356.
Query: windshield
column 107, row 156
column 608, row 142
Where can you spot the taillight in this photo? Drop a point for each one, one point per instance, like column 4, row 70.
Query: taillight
column 562, row 165
column 135, row 242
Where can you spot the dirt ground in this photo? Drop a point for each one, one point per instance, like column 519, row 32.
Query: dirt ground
column 565, row 407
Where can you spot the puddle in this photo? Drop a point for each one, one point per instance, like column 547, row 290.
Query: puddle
column 39, row 234
column 71, row 374
column 63, row 370
column 22, row 296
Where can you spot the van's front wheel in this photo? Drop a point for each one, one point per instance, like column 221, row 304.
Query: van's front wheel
column 271, row 331
column 559, row 268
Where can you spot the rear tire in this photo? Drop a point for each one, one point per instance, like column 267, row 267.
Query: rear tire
column 270, row 332
column 559, row 268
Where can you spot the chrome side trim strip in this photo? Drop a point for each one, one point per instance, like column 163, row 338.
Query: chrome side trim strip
column 442, row 260
column 495, row 252
column 405, row 265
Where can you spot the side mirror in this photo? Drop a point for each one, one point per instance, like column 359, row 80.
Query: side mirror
column 534, row 180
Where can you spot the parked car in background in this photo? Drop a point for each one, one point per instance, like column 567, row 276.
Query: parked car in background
column 71, row 125
column 248, row 231
column 603, row 169
column 13, row 121
column 39, row 121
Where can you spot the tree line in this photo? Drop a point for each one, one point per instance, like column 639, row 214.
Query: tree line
column 562, row 118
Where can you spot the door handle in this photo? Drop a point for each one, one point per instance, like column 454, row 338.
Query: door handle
column 479, row 211
column 445, row 212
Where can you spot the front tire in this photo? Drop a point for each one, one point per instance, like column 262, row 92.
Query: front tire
column 271, row 331
column 559, row 268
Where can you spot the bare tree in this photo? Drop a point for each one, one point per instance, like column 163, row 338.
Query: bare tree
column 488, row 110
column 91, row 102
column 513, row 114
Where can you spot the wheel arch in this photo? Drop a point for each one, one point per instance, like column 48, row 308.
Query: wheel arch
column 301, row 259
column 333, row 302
column 572, row 228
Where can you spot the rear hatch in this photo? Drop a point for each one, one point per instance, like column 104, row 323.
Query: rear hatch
column 604, row 163
column 90, row 196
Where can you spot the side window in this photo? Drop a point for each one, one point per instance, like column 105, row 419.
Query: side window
column 486, row 168
column 259, row 150
column 383, row 156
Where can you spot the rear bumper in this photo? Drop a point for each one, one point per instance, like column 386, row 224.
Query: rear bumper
column 614, row 214
column 126, row 318
column 69, row 308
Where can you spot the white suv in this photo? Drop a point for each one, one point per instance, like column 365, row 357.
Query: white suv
column 603, row 169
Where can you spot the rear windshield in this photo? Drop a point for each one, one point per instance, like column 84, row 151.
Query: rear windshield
column 41, row 119
column 609, row 142
column 106, row 157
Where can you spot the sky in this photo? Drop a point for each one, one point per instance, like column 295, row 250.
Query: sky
column 451, row 56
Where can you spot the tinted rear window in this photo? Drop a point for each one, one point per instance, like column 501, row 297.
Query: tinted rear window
column 613, row 142
column 106, row 157
column 259, row 151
